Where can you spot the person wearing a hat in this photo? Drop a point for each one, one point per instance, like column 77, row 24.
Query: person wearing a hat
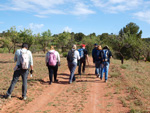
column 83, row 56
column 21, row 70
column 107, row 55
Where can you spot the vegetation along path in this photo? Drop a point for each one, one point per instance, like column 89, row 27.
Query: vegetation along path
column 88, row 94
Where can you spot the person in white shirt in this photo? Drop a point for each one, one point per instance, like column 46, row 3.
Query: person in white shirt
column 20, row 70
column 54, row 67
column 72, row 58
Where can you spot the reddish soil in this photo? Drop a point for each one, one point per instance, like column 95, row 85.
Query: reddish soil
column 88, row 94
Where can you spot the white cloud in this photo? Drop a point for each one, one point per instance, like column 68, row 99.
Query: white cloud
column 41, row 16
column 116, row 6
column 35, row 27
column 67, row 29
column 82, row 9
column 144, row 16
column 43, row 8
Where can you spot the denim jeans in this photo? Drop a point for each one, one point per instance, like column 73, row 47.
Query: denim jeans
column 53, row 70
column 98, row 67
column 81, row 61
column 105, row 68
column 72, row 67
column 24, row 75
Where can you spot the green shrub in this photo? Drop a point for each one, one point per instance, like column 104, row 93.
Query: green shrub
column 65, row 54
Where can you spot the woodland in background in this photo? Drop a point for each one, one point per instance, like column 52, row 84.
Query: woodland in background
column 127, row 44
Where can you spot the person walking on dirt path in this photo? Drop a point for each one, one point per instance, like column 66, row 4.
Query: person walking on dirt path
column 98, row 61
column 24, row 60
column 94, row 51
column 72, row 58
column 52, row 61
column 83, row 57
column 107, row 55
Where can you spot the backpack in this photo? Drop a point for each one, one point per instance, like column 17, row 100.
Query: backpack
column 81, row 53
column 98, row 55
column 24, row 60
column 105, row 56
column 52, row 59
column 70, row 56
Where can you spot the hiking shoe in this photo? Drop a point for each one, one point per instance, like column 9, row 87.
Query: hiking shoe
column 25, row 98
column 7, row 96
column 50, row 83
column 56, row 80
column 97, row 76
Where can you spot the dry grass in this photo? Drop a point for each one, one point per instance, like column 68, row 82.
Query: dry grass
column 133, row 78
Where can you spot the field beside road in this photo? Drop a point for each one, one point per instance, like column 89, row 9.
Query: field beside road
column 127, row 89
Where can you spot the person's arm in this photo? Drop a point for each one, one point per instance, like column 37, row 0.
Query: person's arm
column 110, row 56
column 78, row 56
column 31, row 61
column 15, row 57
column 46, row 58
column 58, row 58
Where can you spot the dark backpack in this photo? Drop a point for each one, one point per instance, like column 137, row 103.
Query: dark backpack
column 70, row 56
column 105, row 56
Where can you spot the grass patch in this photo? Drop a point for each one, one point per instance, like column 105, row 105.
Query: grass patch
column 115, row 74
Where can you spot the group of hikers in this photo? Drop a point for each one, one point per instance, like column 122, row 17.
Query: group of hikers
column 23, row 57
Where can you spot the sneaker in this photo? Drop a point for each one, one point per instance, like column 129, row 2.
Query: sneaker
column 25, row 98
column 97, row 75
column 50, row 83
column 101, row 78
column 70, row 82
column 105, row 81
column 7, row 96
column 56, row 80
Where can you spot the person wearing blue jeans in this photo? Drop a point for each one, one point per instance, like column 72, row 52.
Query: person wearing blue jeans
column 106, row 56
column 72, row 57
column 105, row 68
column 98, row 61
column 94, row 52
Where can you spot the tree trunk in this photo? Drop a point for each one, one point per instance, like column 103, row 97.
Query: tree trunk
column 122, row 58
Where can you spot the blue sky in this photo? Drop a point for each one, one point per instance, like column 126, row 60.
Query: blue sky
column 86, row 16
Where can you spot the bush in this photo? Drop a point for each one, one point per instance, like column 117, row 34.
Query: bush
column 65, row 54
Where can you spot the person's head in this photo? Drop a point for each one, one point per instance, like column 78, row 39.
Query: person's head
column 106, row 47
column 95, row 45
column 25, row 45
column 83, row 46
column 74, row 46
column 99, row 47
column 51, row 47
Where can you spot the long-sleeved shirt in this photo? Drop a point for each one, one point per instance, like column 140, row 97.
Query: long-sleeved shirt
column 57, row 56
column 76, row 55
column 17, row 57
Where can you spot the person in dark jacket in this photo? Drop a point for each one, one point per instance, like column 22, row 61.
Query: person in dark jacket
column 94, row 51
column 98, row 61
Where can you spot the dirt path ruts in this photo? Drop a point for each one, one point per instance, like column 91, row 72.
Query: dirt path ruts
column 91, row 95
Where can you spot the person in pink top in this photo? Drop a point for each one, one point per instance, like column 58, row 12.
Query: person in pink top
column 52, row 61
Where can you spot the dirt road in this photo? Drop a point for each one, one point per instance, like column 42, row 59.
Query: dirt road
column 88, row 94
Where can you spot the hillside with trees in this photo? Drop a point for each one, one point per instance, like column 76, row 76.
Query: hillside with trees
column 127, row 44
